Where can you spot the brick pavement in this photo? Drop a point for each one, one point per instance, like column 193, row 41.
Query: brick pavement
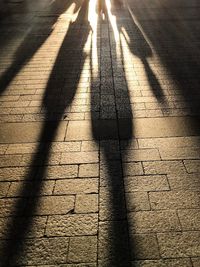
column 100, row 137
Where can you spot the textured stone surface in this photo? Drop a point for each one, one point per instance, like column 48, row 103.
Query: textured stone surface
column 153, row 221
column 82, row 249
column 64, row 171
column 169, row 142
column 36, row 229
column 188, row 181
column 76, row 186
column 133, row 168
column 158, row 127
column 7, row 206
column 174, row 200
column 79, row 157
column 86, row 203
column 140, row 155
column 13, row 174
column 48, row 205
column 196, row 262
column 4, row 189
column 144, row 246
column 12, row 133
column 137, row 201
column 177, row 245
column 146, row 183
column 164, row 167
column 44, row 251
column 180, row 153
column 88, row 170
column 163, row 263
column 111, row 205
column 72, row 225
column 69, row 265
column 113, row 246
column 189, row 219
column 192, row 165
column 32, row 188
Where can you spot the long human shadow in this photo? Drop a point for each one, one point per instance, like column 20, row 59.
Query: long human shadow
column 108, row 130
column 59, row 94
column 175, row 39
column 115, row 140
column 139, row 47
column 32, row 42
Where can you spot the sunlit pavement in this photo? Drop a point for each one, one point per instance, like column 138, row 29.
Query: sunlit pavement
column 99, row 133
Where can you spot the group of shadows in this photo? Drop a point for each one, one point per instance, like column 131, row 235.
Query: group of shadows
column 59, row 94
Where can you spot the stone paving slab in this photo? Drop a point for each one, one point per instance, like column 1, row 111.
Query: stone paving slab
column 29, row 132
column 158, row 127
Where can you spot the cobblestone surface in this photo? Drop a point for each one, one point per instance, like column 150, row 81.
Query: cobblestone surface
column 99, row 133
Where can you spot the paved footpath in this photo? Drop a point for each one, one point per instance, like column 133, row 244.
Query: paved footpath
column 99, row 133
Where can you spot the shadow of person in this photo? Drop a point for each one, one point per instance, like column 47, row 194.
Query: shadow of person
column 113, row 124
column 59, row 94
column 174, row 37
column 32, row 41
column 139, row 47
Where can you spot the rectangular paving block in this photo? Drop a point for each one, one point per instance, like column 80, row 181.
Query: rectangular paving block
column 189, row 219
column 140, row 155
column 32, row 147
column 86, row 203
column 159, row 127
column 91, row 130
column 174, row 200
column 133, row 168
column 10, row 160
column 172, row 142
column 192, row 165
column 38, row 225
column 163, row 263
column 45, row 251
column 144, row 246
column 7, row 206
column 48, row 205
column 187, row 181
column 137, row 201
column 65, row 147
column 22, row 148
column 179, row 244
column 72, row 225
column 89, row 170
column 4, row 189
column 13, row 173
column 76, row 186
column 79, row 157
column 30, row 132
column 180, row 153
column 82, row 249
column 89, row 146
column 32, row 188
column 3, row 149
column 153, row 221
column 59, row 172
column 146, row 183
column 164, row 167
column 88, row 264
